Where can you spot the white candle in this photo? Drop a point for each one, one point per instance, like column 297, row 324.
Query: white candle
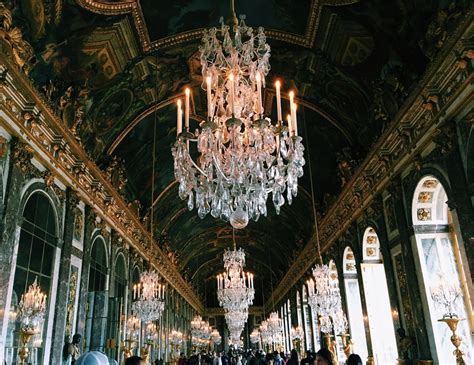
column 179, row 123
column 209, row 97
column 288, row 118
column 232, row 102
column 278, row 96
column 186, row 111
column 259, row 93
column 294, row 119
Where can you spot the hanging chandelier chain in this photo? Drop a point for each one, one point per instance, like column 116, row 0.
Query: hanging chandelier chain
column 315, row 217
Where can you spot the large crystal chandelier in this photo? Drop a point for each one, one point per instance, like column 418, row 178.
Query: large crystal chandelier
column 243, row 157
column 148, row 297
column 255, row 336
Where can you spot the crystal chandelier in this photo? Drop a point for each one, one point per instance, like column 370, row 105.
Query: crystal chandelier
column 133, row 328
column 176, row 338
column 296, row 333
column 216, row 337
column 243, row 156
column 31, row 308
column 445, row 293
column 151, row 333
column 235, row 289
column 324, row 295
column 340, row 322
column 265, row 333
column 148, row 297
column 255, row 336
column 200, row 329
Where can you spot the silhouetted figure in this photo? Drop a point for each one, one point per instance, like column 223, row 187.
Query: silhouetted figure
column 354, row 359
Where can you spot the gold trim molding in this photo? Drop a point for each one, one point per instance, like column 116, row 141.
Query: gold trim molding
column 133, row 8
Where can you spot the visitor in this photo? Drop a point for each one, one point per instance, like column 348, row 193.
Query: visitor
column 354, row 359
column 72, row 350
column 308, row 360
column 324, row 357
column 293, row 358
column 134, row 360
column 182, row 359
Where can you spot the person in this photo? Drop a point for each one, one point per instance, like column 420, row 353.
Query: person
column 216, row 359
column 293, row 358
column 134, row 360
column 181, row 361
column 308, row 359
column 277, row 359
column 324, row 357
column 160, row 361
column 72, row 350
column 92, row 358
column 354, row 359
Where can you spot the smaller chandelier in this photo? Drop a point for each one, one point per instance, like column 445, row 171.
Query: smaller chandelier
column 176, row 338
column 200, row 329
column 340, row 322
column 235, row 289
column 151, row 333
column 255, row 336
column 133, row 328
column 148, row 297
column 216, row 337
column 445, row 294
column 31, row 308
column 296, row 333
column 324, row 295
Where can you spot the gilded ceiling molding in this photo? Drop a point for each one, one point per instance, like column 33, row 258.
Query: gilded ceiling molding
column 446, row 85
column 25, row 113
column 133, row 8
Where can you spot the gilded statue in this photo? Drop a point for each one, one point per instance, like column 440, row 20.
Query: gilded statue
column 22, row 51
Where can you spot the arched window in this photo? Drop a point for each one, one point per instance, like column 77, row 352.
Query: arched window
column 382, row 332
column 439, row 262
column 98, row 268
column 35, row 260
column 353, row 303
column 97, row 297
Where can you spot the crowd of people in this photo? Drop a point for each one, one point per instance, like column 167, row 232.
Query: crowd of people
column 250, row 357
column 259, row 357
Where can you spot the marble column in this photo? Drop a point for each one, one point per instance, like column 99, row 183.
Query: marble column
column 8, row 228
column 61, row 313
column 84, row 286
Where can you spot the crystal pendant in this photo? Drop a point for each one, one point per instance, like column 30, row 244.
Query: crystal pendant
column 239, row 218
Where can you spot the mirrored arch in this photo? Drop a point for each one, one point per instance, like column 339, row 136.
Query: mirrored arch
column 439, row 265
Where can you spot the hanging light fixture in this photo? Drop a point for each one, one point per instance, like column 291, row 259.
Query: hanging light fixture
column 296, row 333
column 255, row 336
column 216, row 337
column 148, row 297
column 235, row 288
column 243, row 156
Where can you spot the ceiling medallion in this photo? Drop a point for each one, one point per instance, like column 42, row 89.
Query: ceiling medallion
column 243, row 157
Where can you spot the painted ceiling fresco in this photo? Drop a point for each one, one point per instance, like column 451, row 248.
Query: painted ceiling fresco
column 112, row 70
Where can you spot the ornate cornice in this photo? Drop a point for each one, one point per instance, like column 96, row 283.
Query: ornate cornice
column 26, row 114
column 219, row 312
column 133, row 8
column 446, row 85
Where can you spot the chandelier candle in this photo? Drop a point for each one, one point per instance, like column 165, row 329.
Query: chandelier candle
column 278, row 96
column 243, row 158
column 186, row 111
column 179, row 126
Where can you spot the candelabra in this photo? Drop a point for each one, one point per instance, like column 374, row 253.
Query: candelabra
column 176, row 338
column 445, row 294
column 148, row 297
column 31, row 310
column 132, row 333
column 296, row 335
column 255, row 337
column 243, row 156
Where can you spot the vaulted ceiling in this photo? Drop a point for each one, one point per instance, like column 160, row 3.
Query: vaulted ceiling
column 352, row 64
